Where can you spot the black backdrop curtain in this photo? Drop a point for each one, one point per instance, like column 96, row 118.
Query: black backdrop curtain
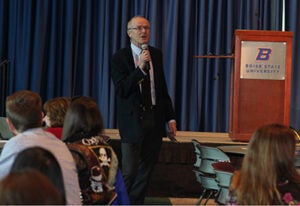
column 63, row 48
column 293, row 24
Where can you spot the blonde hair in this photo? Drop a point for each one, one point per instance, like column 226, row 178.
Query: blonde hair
column 269, row 161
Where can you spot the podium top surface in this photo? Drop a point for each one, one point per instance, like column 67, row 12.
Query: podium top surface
column 263, row 33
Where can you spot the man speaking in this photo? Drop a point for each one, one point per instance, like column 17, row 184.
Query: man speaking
column 143, row 107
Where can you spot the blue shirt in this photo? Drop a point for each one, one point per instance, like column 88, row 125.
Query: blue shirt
column 38, row 137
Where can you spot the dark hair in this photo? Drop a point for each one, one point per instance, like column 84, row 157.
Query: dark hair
column 44, row 161
column 83, row 120
column 24, row 109
column 28, row 187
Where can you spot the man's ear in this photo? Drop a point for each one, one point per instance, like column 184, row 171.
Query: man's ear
column 11, row 126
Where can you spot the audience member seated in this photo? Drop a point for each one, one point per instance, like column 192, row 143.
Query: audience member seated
column 55, row 110
column 82, row 132
column 40, row 159
column 28, row 187
column 24, row 118
column 268, row 175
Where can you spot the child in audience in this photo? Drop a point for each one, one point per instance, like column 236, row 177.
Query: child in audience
column 55, row 110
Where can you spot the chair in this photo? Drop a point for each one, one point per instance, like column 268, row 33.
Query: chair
column 205, row 173
column 197, row 152
column 224, row 172
column 5, row 133
column 197, row 164
column 209, row 185
column 211, row 155
column 223, row 166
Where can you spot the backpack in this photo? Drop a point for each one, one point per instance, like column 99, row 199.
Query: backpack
column 97, row 166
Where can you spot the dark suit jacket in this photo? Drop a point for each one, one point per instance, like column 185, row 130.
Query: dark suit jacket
column 126, row 79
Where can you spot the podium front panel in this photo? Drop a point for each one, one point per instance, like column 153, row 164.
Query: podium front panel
column 257, row 101
column 260, row 102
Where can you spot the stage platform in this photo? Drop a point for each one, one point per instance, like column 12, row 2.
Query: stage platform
column 173, row 174
column 187, row 136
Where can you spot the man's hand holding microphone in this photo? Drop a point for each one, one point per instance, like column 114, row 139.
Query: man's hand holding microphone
column 145, row 58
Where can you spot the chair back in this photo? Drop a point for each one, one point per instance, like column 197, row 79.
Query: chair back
column 209, row 183
column 223, row 166
column 198, row 175
column 206, row 167
column 210, row 155
column 204, row 172
column 197, row 153
column 223, row 178
column 224, row 172
column 213, row 153
column 210, row 187
column 5, row 133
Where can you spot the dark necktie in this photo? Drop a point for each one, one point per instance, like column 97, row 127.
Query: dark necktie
column 146, row 91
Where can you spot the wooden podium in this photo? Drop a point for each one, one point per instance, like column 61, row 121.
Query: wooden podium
column 260, row 81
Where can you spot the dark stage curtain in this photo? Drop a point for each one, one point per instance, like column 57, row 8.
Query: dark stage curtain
column 64, row 48
column 293, row 24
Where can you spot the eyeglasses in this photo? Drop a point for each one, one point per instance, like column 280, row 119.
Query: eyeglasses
column 139, row 28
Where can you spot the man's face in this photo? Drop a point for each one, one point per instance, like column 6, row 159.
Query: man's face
column 47, row 120
column 139, row 31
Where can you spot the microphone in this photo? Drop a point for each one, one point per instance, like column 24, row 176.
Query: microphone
column 145, row 47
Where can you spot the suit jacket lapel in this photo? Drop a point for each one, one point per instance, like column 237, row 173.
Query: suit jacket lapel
column 129, row 57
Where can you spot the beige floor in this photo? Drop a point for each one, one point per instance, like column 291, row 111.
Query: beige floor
column 174, row 201
column 188, row 201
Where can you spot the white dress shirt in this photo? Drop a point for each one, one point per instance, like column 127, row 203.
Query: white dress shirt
column 136, row 51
